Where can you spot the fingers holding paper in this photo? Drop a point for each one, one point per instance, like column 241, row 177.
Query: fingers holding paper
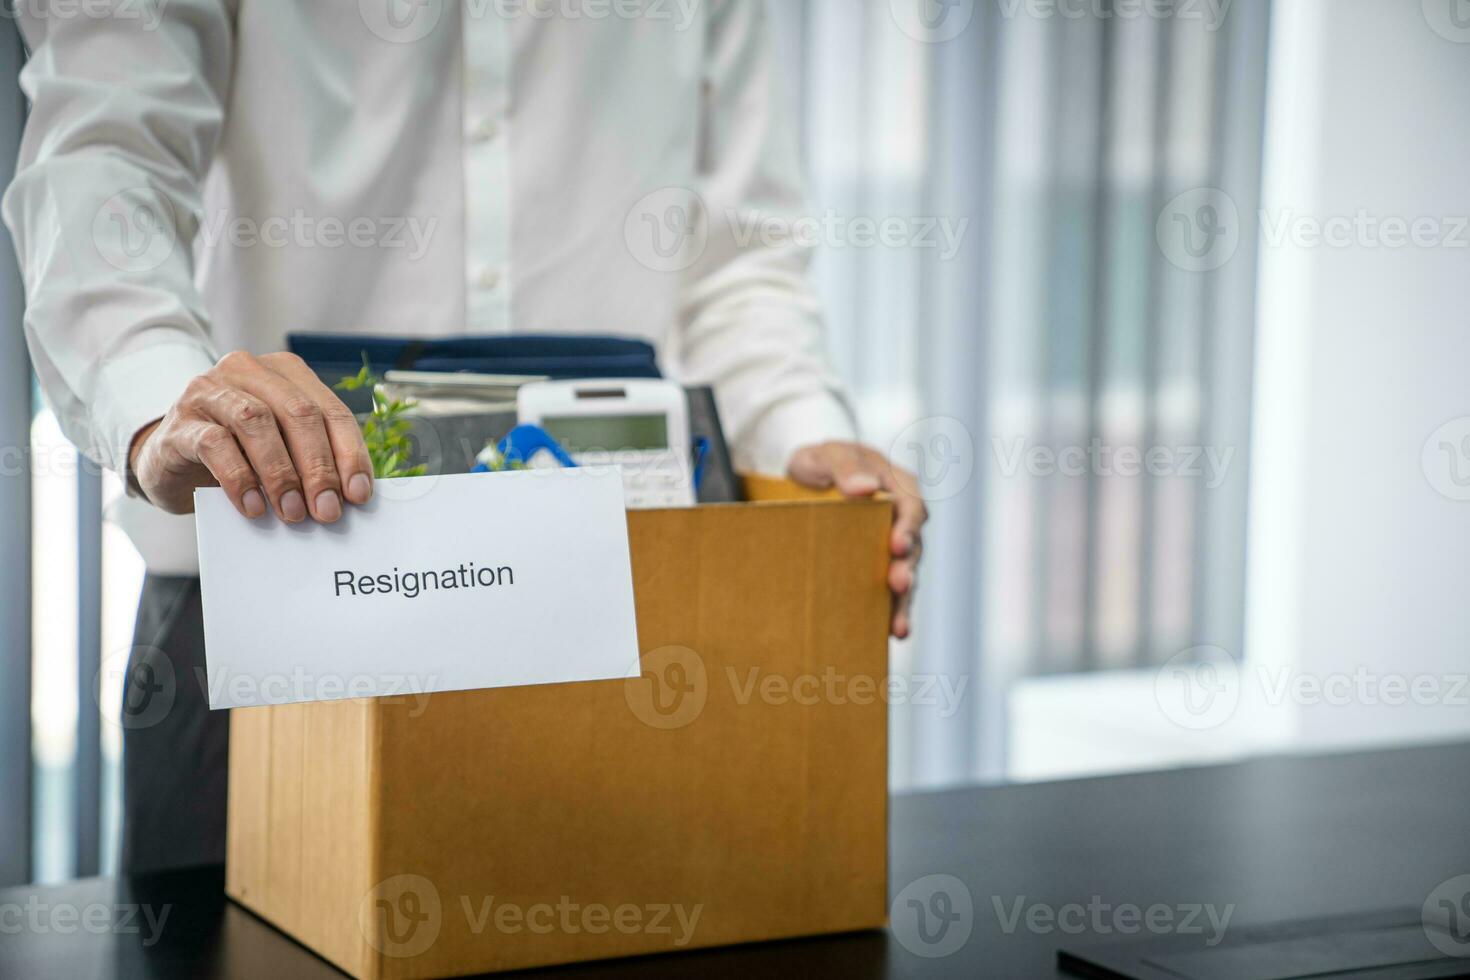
column 266, row 431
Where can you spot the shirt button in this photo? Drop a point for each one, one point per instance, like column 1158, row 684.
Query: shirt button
column 483, row 131
column 488, row 278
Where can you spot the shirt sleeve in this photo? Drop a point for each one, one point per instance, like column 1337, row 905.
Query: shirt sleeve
column 126, row 109
column 751, row 325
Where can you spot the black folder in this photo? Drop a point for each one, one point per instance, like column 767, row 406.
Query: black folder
column 1388, row 945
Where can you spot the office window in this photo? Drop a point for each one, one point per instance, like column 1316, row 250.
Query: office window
column 76, row 766
column 1048, row 147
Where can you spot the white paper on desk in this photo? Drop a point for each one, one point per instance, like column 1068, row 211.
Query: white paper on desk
column 542, row 592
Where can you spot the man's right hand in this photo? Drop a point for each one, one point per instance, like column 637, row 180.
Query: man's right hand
column 264, row 429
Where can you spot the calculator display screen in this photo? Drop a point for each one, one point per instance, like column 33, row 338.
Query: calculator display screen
column 608, row 433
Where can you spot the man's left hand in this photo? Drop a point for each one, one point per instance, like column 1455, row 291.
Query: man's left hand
column 858, row 471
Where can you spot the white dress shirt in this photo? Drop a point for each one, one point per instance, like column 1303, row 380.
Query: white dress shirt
column 409, row 167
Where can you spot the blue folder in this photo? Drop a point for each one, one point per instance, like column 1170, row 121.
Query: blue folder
column 336, row 355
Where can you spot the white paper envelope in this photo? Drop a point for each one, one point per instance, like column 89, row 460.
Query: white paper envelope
column 440, row 583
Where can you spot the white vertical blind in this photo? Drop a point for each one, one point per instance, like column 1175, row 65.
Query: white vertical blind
column 1059, row 325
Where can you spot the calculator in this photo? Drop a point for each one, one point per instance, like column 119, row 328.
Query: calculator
column 639, row 425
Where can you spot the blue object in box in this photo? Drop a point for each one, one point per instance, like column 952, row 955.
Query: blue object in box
column 551, row 355
column 521, row 444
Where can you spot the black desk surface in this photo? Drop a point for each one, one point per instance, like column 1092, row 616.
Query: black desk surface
column 1277, row 839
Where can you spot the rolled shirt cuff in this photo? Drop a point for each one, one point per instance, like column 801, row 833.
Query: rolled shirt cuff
column 767, row 446
column 139, row 387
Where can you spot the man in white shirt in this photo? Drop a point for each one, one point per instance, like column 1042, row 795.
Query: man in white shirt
column 200, row 177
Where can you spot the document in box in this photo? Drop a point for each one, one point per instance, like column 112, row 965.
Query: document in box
column 440, row 583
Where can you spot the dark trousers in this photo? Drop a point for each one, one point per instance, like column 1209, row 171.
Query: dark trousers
column 175, row 750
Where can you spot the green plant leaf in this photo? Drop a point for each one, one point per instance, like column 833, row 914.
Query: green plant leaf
column 385, row 430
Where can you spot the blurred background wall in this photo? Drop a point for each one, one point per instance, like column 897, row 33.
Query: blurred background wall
column 1165, row 303
column 1360, row 500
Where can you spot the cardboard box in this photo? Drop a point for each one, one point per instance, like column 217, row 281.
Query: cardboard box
column 742, row 798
